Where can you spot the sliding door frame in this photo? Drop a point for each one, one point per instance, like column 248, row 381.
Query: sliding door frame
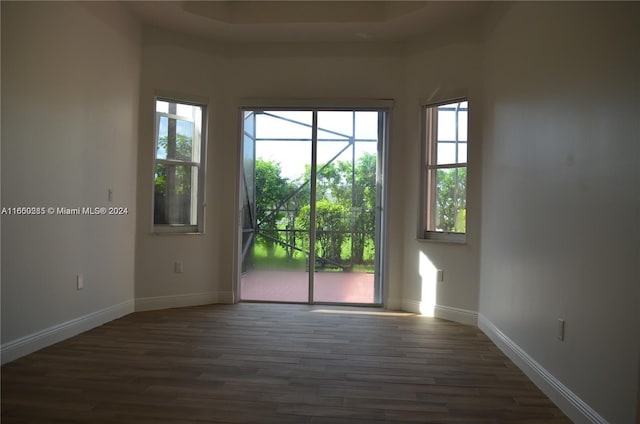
column 383, row 106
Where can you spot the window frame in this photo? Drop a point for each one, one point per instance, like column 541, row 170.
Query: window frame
column 200, row 165
column 429, row 143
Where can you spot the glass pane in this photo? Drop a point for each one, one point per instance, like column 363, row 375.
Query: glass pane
column 163, row 137
column 277, row 247
column 446, row 124
column 450, row 200
column 324, row 135
column 366, row 147
column 249, row 124
column 447, row 187
column 452, row 122
column 446, row 153
column 187, row 111
column 300, row 117
column 175, row 139
column 337, row 123
column 367, row 125
column 462, row 153
column 276, row 263
column 282, row 126
column 346, row 216
column 462, row 125
column 175, row 192
column 179, row 131
column 248, row 187
column 293, row 157
column 248, row 190
column 162, row 106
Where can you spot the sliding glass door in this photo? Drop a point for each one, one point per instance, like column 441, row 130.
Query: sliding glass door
column 276, row 191
column 312, row 195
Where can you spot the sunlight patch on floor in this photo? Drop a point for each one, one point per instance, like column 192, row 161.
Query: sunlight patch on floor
column 363, row 312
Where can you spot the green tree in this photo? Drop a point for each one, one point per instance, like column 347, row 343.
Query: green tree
column 298, row 193
column 354, row 189
column 271, row 190
column 173, row 182
column 334, row 182
column 181, row 150
column 451, row 200
column 363, row 212
column 345, row 208
column 330, row 227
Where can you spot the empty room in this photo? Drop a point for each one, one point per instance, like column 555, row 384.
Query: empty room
column 320, row 212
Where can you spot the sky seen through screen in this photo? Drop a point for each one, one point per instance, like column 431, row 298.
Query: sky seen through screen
column 289, row 143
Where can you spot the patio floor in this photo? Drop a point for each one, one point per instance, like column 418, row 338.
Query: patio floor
column 293, row 286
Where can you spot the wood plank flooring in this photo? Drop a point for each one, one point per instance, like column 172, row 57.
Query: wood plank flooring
column 267, row 363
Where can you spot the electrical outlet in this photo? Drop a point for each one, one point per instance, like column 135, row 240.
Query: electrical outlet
column 177, row 267
column 79, row 282
column 440, row 275
column 560, row 329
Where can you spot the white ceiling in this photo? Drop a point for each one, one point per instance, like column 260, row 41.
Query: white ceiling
column 305, row 21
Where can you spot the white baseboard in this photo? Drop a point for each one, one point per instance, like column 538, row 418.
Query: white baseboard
column 462, row 316
column 393, row 303
column 411, row 306
column 575, row 408
column 24, row 345
column 182, row 300
column 226, row 297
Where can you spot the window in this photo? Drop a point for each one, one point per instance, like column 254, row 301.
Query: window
column 445, row 168
column 178, row 173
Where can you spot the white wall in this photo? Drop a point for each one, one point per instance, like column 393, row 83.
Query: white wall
column 226, row 75
column 349, row 72
column 70, row 84
column 188, row 66
column 442, row 67
column 560, row 231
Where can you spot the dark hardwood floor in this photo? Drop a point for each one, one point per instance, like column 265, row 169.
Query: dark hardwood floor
column 267, row 363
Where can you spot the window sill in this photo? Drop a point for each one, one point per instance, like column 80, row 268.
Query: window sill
column 175, row 230
column 445, row 238
column 175, row 233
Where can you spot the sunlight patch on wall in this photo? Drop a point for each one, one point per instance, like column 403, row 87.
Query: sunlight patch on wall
column 428, row 273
